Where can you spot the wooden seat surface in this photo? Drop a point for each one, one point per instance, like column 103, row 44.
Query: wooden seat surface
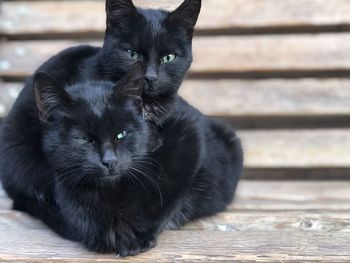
column 276, row 70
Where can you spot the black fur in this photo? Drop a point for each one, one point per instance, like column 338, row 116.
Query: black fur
column 61, row 162
column 57, row 158
column 151, row 33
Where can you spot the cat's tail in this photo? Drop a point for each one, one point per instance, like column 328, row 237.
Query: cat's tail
column 230, row 138
column 235, row 153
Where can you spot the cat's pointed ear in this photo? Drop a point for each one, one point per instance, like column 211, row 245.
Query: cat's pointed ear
column 49, row 96
column 132, row 84
column 116, row 10
column 187, row 15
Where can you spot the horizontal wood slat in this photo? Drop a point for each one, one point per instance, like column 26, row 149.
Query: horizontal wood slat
column 276, row 103
column 252, row 234
column 28, row 18
column 233, row 221
column 302, row 148
column 292, row 196
column 189, row 246
column 225, row 97
column 292, row 54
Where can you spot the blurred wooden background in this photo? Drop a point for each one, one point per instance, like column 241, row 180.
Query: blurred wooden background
column 279, row 71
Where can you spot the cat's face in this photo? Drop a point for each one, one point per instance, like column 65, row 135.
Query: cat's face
column 162, row 40
column 93, row 132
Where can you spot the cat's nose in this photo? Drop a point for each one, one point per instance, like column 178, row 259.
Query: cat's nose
column 109, row 160
column 151, row 76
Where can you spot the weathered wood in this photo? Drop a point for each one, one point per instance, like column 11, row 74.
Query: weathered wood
column 281, row 97
column 274, row 221
column 242, row 221
column 248, row 235
column 288, row 195
column 301, row 97
column 217, row 56
column 34, row 18
column 8, row 95
column 299, row 148
column 256, row 103
column 34, row 245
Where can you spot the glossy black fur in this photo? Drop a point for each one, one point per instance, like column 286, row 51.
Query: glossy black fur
column 53, row 148
column 152, row 33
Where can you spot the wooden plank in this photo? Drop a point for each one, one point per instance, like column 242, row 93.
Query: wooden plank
column 242, row 221
column 276, row 97
column 8, row 95
column 187, row 246
column 292, row 195
column 249, row 221
column 311, row 197
column 233, row 56
column 36, row 245
column 255, row 104
column 249, row 236
column 65, row 17
column 243, row 103
column 299, row 148
column 296, row 154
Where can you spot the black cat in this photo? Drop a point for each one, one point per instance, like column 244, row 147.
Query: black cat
column 85, row 161
column 161, row 39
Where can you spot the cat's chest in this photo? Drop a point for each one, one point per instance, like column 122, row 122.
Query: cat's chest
column 118, row 206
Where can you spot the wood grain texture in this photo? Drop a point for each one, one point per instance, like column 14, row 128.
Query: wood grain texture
column 66, row 17
column 299, row 148
column 190, row 246
column 230, row 221
column 244, row 98
column 292, row 195
column 214, row 55
column 243, row 235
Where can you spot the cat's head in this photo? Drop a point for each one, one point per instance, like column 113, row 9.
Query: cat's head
column 94, row 131
column 161, row 39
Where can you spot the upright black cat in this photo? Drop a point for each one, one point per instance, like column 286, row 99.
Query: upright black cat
column 84, row 160
column 161, row 39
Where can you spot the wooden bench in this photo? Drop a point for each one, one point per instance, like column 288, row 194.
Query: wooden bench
column 279, row 71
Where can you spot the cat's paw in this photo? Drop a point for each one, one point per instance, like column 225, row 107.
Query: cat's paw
column 133, row 247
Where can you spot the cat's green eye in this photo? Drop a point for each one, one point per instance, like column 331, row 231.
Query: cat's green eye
column 121, row 135
column 169, row 58
column 134, row 55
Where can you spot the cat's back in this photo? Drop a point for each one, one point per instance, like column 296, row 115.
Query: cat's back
column 64, row 67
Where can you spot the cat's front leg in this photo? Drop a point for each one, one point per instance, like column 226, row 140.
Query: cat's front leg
column 130, row 242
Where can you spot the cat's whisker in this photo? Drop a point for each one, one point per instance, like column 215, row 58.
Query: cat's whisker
column 150, row 179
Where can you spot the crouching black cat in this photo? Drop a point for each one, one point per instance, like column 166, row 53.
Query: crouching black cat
column 85, row 161
column 162, row 40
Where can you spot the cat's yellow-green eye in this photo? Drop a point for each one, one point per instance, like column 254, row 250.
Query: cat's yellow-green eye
column 134, row 55
column 168, row 58
column 121, row 135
